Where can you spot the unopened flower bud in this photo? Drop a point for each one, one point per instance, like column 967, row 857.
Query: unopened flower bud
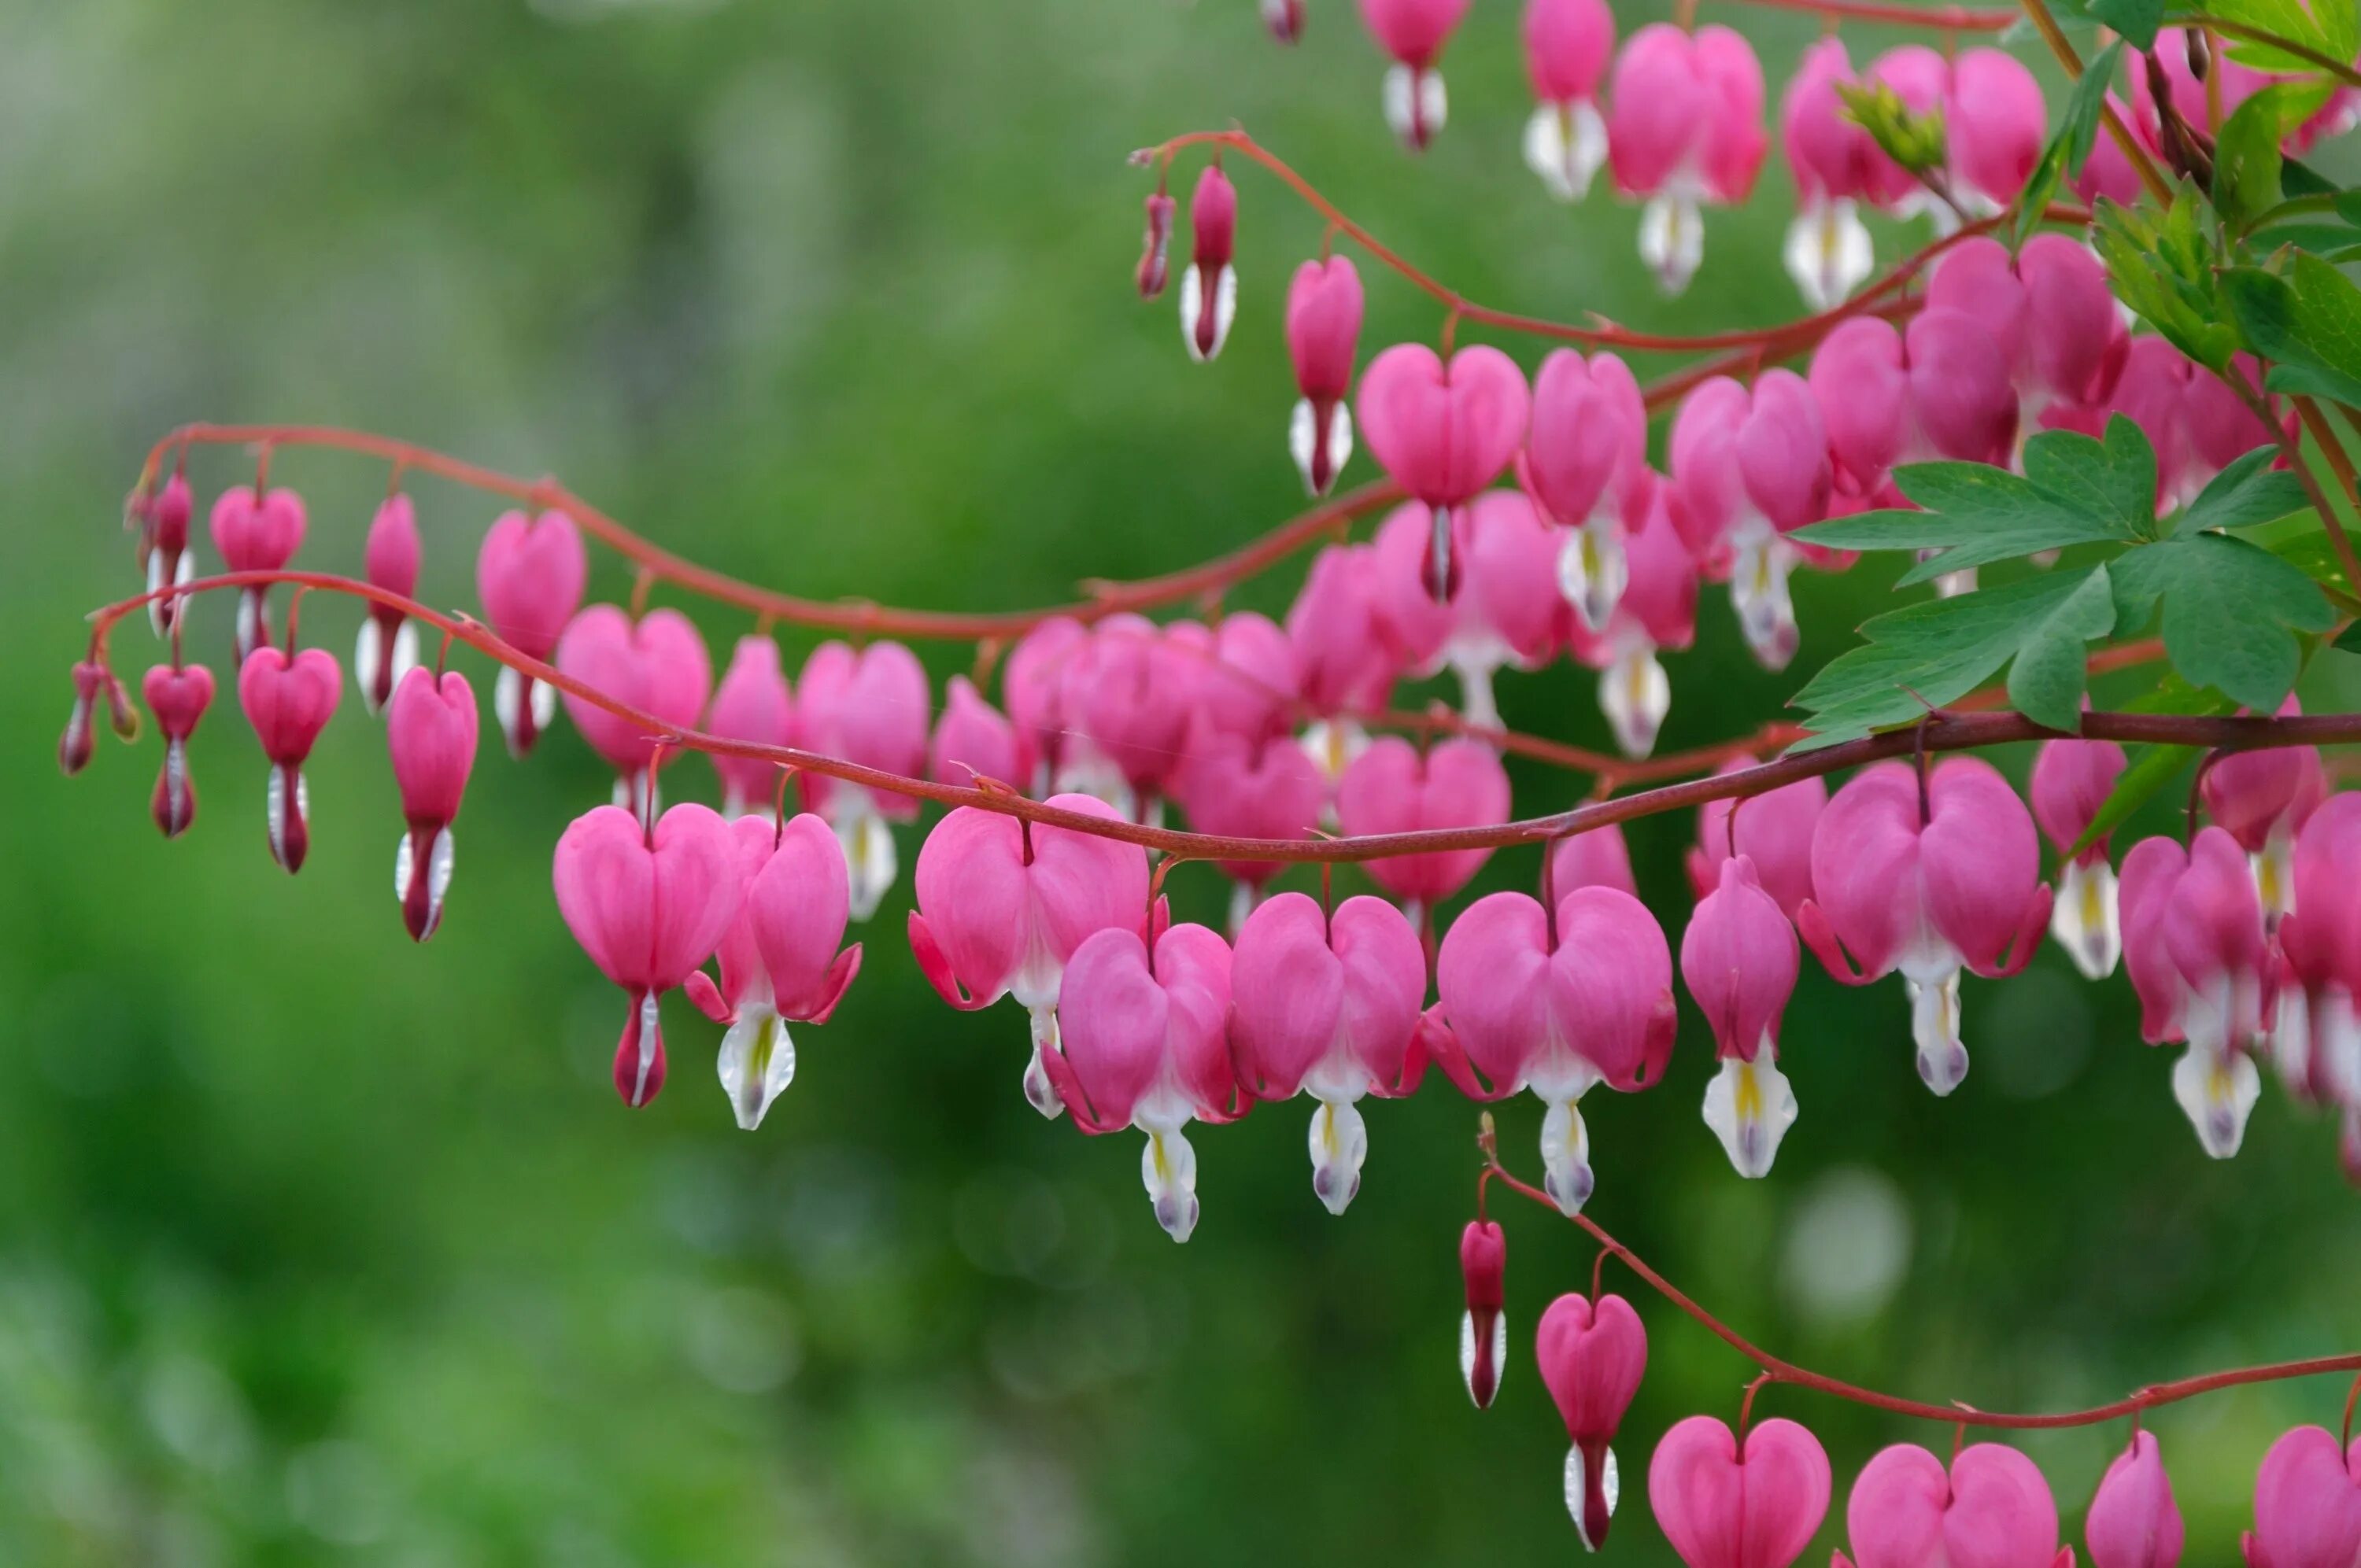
column 1209, row 291
column 2133, row 1522
column 165, row 547
column 1155, row 252
column 431, row 732
column 75, row 745
column 387, row 649
column 178, row 697
column 1484, row 1328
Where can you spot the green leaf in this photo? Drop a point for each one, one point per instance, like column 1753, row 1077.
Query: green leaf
column 1937, row 652
column 2230, row 613
column 2162, row 266
column 2308, row 322
column 2288, row 20
column 2111, row 479
column 2069, row 147
column 2137, row 20
column 2247, row 493
column 2247, row 159
column 2349, row 640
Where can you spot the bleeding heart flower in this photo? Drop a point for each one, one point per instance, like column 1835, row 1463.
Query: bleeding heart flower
column 1591, row 1357
column 1413, row 32
column 649, row 904
column 1391, row 788
column 2046, row 308
column 1748, row 468
column 1209, row 289
column 1727, row 1506
column 2071, row 780
column 1241, row 789
column 869, row 707
column 1032, row 687
column 1929, row 880
column 1657, row 609
column 1585, row 466
column 1443, row 432
column 1484, row 1327
column 1686, row 130
column 2195, row 946
column 164, row 540
column 753, row 702
column 528, row 578
column 1249, row 680
column 1938, row 389
column 2133, row 1522
column 779, row 959
column 1774, row 830
column 1348, row 668
column 1324, row 334
column 1995, row 123
column 1993, row 1510
column 430, row 730
column 387, row 649
column 2316, row 1028
column 656, row 664
column 972, row 740
column 94, row 682
column 1836, row 163
column 2264, row 798
column 1567, row 45
column 1596, row 857
column 1003, row 904
column 254, row 531
column 288, row 701
column 2307, row 1504
column 178, row 697
column 1146, row 1047
column 2153, row 392
column 1155, row 248
column 1129, row 695
column 1506, row 611
column 1328, row 1006
column 1556, row 1003
column 2222, row 428
column 1739, row 958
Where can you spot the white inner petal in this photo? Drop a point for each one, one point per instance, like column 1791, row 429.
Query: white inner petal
column 1040, row 1092
column 2085, row 920
column 1671, row 238
column 1749, row 1106
column 1592, row 570
column 1168, row 1167
column 2216, row 1088
column 869, row 858
column 1828, row 252
column 1340, row 1143
column 1565, row 1156
column 1758, row 592
column 1934, row 1028
column 1635, row 694
column 1565, row 144
column 757, row 1061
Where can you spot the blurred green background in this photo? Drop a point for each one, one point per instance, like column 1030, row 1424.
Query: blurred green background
column 319, row 1246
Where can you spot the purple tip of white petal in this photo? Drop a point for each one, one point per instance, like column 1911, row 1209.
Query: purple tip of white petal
column 1829, row 253
column 1635, row 694
column 757, row 1062
column 1168, row 1168
column 1593, row 571
column 1671, row 240
column 1339, row 1144
column 1935, row 1029
column 2217, row 1089
column 1749, row 1105
column 525, row 706
column 1759, row 593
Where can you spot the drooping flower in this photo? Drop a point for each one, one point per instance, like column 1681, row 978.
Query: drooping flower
column 1993, row 1508
column 1249, row 678
column 1347, row 668
column 1327, row 1006
column 2307, row 1504
column 388, row 648
column 1484, row 1326
column 256, row 531
column 165, row 539
column 779, row 959
column 1324, row 334
column 2049, row 311
column 1739, row 958
column 430, row 732
column 1391, row 788
column 2071, row 780
column 1567, row 46
column 1748, row 468
column 1156, row 247
column 93, row 682
column 657, row 664
column 649, row 903
column 2133, row 1522
column 1003, row 905
column 2264, row 797
column 1032, row 688
column 1444, row 431
column 1833, row 160
column 1145, row 1047
column 1237, row 788
column 1209, row 289
column 1413, row 32
column 1585, row 466
column 1596, row 857
column 1726, row 1505
column 1929, row 880
column 1935, row 389
column 1557, row 1004
column 753, row 702
column 288, row 701
column 973, row 741
column 2194, row 947
column 1774, row 830
column 178, row 697
column 871, row 707
column 1995, row 123
column 1506, row 610
column 1686, row 130
column 528, row 578
column 2316, row 1028
column 1591, row 1356
column 1657, row 610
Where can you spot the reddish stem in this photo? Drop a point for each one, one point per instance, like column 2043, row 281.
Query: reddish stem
column 1778, row 1370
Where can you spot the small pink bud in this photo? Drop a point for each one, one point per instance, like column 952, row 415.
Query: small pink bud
column 1324, row 333
column 1155, row 248
column 178, row 697
column 1209, row 289
column 387, row 649
column 2307, row 1504
column 1591, row 1359
column 90, row 680
column 1724, row 1504
column 2133, row 1522
column 753, row 702
column 1585, row 466
column 1596, row 857
column 254, row 531
column 528, row 576
column 167, row 546
column 288, row 702
column 430, row 732
column 1484, row 1327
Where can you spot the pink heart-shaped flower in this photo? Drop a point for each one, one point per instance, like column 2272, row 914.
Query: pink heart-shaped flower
column 1724, row 1506
column 530, row 574
column 257, row 532
column 657, row 666
column 1442, row 433
column 288, row 702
